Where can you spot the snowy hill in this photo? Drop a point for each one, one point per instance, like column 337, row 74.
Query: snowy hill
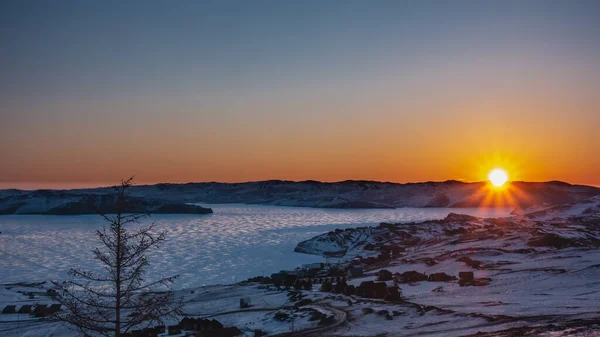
column 575, row 224
column 346, row 194
column 532, row 273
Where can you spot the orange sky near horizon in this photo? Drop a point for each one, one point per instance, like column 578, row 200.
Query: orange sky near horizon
column 391, row 147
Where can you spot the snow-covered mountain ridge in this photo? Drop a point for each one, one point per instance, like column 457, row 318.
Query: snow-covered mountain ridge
column 346, row 194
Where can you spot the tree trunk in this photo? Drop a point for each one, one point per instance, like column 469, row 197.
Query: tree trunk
column 118, row 280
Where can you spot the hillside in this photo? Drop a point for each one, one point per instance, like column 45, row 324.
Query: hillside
column 528, row 274
column 347, row 194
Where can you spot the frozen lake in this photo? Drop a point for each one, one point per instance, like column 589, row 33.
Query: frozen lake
column 234, row 243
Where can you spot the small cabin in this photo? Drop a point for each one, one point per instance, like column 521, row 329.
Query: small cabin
column 278, row 277
column 25, row 309
column 372, row 289
column 54, row 308
column 174, row 329
column 200, row 324
column 40, row 310
column 10, row 309
column 410, row 277
column 440, row 277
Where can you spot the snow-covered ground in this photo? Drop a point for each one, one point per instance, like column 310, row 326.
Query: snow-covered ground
column 543, row 269
column 233, row 244
column 219, row 302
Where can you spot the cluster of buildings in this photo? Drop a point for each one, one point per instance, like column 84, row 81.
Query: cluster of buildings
column 313, row 271
column 189, row 327
column 38, row 310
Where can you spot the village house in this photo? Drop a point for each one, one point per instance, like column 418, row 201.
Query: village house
column 393, row 293
column 40, row 310
column 54, row 308
column 199, row 324
column 410, row 277
column 10, row 309
column 372, row 289
column 25, row 309
column 441, row 277
column 174, row 329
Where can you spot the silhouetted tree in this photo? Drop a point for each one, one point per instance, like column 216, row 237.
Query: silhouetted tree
column 118, row 299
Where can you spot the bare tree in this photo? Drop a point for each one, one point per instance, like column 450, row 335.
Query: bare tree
column 119, row 299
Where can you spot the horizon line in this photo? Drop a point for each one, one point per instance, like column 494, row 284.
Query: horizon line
column 84, row 186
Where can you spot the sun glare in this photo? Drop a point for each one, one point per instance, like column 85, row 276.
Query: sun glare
column 498, row 177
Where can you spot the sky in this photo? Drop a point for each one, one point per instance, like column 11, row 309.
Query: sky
column 402, row 91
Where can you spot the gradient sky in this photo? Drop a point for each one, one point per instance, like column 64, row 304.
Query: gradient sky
column 177, row 91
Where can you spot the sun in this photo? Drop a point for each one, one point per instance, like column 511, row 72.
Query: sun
column 498, row 177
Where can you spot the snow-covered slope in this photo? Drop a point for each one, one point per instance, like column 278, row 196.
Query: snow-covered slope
column 575, row 224
column 535, row 273
column 351, row 194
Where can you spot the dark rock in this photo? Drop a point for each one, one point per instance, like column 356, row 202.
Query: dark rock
column 478, row 282
column 470, row 262
column 451, row 232
column 466, row 275
column 555, row 241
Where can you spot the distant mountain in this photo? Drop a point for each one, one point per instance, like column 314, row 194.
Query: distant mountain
column 345, row 194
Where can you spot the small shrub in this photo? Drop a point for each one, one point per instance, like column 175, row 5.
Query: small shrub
column 281, row 316
column 304, row 302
